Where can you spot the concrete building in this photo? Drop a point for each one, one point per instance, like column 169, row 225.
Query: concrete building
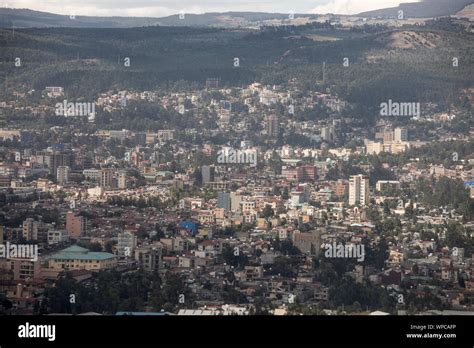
column 340, row 188
column 22, row 268
column 306, row 173
column 235, row 200
column 62, row 174
column 207, row 174
column 387, row 184
column 58, row 158
column 106, row 178
column 57, row 237
column 127, row 242
column 75, row 225
column 92, row 174
column 328, row 133
column 75, row 257
column 308, row 243
column 122, row 180
column 358, row 190
column 290, row 173
column 30, row 229
column 224, row 201
column 299, row 174
column 149, row 257
column 400, row 135
column 272, row 126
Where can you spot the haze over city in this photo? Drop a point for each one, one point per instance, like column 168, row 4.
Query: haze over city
column 161, row 8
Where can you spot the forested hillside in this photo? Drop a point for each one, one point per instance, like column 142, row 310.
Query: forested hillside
column 411, row 63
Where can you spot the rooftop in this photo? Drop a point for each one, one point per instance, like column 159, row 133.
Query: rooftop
column 76, row 252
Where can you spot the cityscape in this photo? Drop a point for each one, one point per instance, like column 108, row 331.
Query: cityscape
column 238, row 164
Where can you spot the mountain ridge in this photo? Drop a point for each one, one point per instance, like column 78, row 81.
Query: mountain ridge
column 424, row 9
column 26, row 18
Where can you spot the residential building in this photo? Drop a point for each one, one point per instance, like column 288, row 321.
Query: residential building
column 75, row 225
column 126, row 245
column 63, row 174
column 358, row 190
column 149, row 257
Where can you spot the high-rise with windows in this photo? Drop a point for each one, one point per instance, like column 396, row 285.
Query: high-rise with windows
column 75, row 225
column 207, row 174
column 106, row 178
column 62, row 174
column 272, row 126
column 358, row 190
column 223, row 201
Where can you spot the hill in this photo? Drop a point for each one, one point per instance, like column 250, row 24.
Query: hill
column 413, row 63
column 467, row 12
column 23, row 18
column 424, row 9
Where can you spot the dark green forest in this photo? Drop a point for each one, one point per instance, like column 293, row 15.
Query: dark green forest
column 89, row 61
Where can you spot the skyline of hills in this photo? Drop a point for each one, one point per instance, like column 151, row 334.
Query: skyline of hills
column 26, row 18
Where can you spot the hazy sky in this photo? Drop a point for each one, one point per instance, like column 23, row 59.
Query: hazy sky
column 160, row 8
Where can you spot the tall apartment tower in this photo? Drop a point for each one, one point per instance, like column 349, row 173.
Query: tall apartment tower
column 122, row 180
column 57, row 159
column 358, row 190
column 272, row 126
column 63, row 174
column 207, row 174
column 30, row 229
column 75, row 225
column 223, row 201
column 328, row 133
column 106, row 178
column 127, row 242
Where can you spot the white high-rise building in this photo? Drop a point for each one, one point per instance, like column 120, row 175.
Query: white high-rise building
column 328, row 133
column 122, row 180
column 358, row 190
column 62, row 174
column 127, row 242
